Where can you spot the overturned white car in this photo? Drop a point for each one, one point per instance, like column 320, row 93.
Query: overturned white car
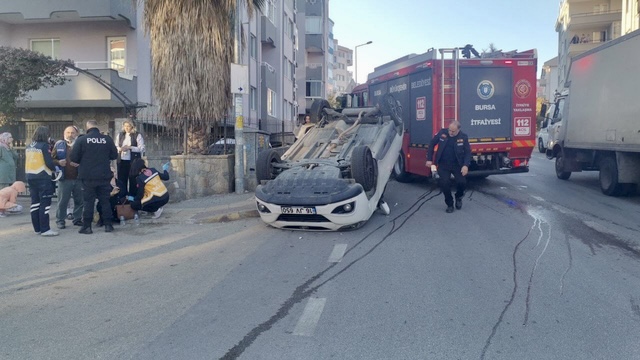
column 334, row 176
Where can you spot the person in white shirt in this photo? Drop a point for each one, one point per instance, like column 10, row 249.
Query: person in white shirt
column 130, row 146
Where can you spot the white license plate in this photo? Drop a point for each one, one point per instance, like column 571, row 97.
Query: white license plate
column 298, row 210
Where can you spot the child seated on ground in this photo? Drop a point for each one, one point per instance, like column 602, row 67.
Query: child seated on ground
column 9, row 198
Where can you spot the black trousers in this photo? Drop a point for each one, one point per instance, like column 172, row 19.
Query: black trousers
column 92, row 189
column 124, row 166
column 41, row 193
column 445, row 172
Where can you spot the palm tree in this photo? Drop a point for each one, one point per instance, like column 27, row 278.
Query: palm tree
column 192, row 46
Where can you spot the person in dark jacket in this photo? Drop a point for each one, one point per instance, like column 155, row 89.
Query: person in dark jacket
column 94, row 152
column 117, row 196
column 452, row 158
column 38, row 167
column 151, row 194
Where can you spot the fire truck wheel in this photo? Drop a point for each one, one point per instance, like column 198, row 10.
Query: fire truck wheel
column 609, row 178
column 363, row 167
column 399, row 170
column 264, row 165
column 560, row 173
column 317, row 110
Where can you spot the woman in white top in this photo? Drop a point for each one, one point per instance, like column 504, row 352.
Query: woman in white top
column 130, row 146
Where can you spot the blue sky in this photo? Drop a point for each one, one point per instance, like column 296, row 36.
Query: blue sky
column 402, row 27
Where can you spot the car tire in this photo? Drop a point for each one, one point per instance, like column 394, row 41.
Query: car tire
column 560, row 173
column 390, row 106
column 399, row 172
column 363, row 167
column 541, row 147
column 264, row 165
column 317, row 110
column 608, row 178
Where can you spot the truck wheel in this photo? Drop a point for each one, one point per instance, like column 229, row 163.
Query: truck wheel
column 317, row 110
column 363, row 167
column 541, row 147
column 560, row 173
column 399, row 170
column 609, row 177
column 264, row 165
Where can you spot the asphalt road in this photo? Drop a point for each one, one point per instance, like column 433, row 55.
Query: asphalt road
column 532, row 267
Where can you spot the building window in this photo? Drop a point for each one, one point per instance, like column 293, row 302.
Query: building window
column 313, row 25
column 287, row 68
column 270, row 9
column 293, row 70
column 117, row 53
column 253, row 98
column 48, row 47
column 314, row 89
column 253, row 46
column 271, row 102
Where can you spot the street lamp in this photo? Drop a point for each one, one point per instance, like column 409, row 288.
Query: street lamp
column 356, row 60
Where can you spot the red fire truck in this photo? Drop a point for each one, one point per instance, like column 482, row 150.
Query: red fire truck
column 493, row 97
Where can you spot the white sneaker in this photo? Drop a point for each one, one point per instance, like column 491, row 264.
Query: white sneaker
column 157, row 213
column 2, row 215
column 50, row 233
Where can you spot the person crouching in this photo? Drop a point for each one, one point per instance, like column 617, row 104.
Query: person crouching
column 151, row 194
column 9, row 198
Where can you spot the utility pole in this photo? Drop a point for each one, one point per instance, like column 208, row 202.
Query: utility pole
column 237, row 105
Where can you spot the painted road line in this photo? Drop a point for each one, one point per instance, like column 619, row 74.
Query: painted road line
column 310, row 317
column 337, row 253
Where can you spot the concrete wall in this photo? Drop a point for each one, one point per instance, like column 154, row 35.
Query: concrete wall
column 195, row 176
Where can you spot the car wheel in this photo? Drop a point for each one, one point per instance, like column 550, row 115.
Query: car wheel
column 609, row 178
column 541, row 147
column 560, row 173
column 399, row 170
column 317, row 110
column 264, row 165
column 389, row 106
column 363, row 167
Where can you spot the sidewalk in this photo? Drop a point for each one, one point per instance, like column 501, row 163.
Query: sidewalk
column 210, row 209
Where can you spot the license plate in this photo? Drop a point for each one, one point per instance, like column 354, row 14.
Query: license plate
column 298, row 210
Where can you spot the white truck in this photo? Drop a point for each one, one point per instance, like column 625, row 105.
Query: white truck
column 595, row 124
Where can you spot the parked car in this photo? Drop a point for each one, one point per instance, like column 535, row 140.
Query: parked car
column 334, row 176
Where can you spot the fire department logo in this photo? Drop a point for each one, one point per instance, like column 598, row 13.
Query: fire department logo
column 485, row 89
column 523, row 88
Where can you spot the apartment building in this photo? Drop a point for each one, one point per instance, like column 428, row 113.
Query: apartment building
column 583, row 25
column 314, row 53
column 630, row 16
column 103, row 38
column 548, row 82
column 342, row 59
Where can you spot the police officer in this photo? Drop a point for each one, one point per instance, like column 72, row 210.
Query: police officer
column 453, row 157
column 94, row 152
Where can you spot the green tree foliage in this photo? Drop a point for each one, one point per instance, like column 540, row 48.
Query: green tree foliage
column 22, row 71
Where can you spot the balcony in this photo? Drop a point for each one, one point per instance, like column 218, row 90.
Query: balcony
column 269, row 33
column 576, row 49
column 47, row 11
column 84, row 91
column 314, row 71
column 594, row 19
column 315, row 43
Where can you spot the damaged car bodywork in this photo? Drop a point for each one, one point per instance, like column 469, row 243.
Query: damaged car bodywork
column 334, row 176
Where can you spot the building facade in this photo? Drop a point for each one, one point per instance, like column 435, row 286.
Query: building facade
column 343, row 58
column 583, row 25
column 548, row 82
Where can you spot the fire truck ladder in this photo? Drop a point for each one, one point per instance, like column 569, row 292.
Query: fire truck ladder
column 449, row 87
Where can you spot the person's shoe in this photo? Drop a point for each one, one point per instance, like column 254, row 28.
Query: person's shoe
column 449, row 209
column 458, row 203
column 2, row 215
column 85, row 230
column 100, row 223
column 77, row 223
column 108, row 228
column 157, row 213
column 61, row 225
column 49, row 233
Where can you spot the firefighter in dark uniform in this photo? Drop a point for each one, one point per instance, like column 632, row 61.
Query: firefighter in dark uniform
column 452, row 158
column 94, row 152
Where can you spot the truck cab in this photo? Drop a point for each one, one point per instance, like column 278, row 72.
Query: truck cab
column 552, row 125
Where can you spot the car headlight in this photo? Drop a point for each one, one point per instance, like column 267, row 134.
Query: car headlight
column 263, row 209
column 344, row 209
